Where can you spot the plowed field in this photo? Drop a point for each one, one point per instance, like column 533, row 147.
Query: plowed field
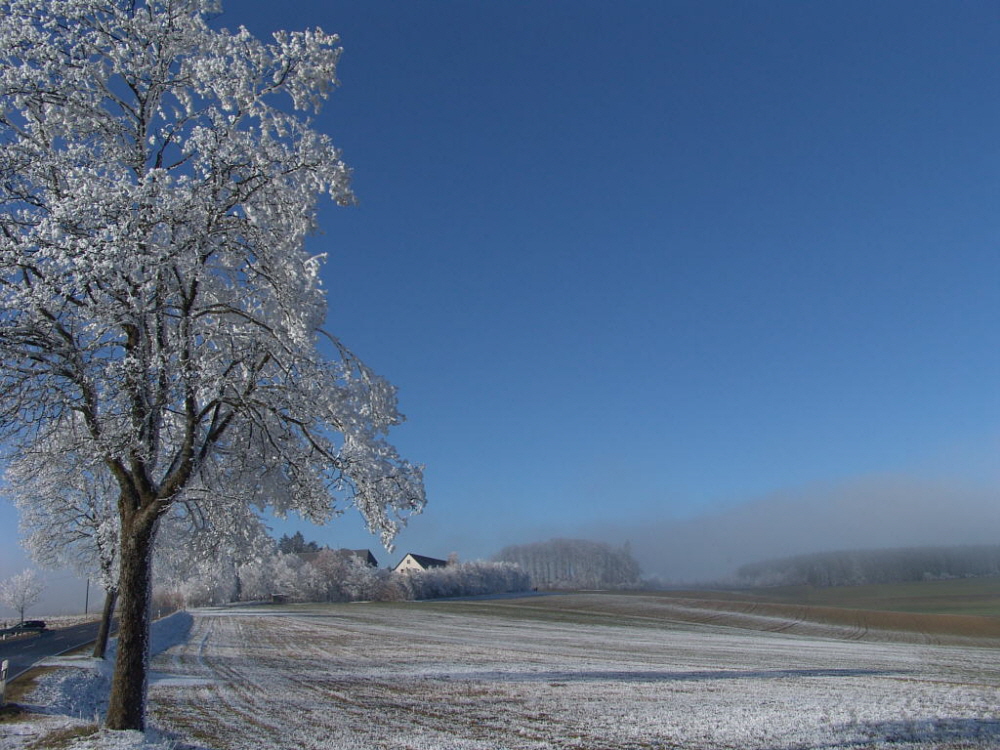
column 575, row 671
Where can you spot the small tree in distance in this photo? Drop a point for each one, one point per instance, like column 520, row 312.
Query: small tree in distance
column 69, row 518
column 157, row 307
column 21, row 591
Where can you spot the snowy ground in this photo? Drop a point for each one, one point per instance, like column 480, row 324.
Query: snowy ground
column 73, row 697
column 426, row 677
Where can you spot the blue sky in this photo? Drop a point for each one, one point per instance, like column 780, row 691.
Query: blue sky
column 637, row 265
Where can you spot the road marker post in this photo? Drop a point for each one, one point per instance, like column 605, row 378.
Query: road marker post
column 3, row 681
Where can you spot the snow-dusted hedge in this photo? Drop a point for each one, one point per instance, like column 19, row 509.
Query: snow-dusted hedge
column 465, row 579
column 331, row 577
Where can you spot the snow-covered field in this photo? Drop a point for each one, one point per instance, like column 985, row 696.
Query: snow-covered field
column 428, row 676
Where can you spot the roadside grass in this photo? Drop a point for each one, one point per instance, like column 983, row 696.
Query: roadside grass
column 18, row 689
column 63, row 738
column 16, row 692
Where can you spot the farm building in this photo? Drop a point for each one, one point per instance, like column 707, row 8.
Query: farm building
column 361, row 555
column 418, row 562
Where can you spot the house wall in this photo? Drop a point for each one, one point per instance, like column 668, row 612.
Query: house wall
column 408, row 563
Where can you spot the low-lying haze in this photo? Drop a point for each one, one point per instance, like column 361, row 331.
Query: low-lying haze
column 865, row 513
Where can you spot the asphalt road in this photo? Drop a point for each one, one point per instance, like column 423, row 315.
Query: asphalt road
column 23, row 652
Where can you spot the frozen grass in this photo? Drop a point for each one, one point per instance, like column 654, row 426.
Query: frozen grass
column 561, row 672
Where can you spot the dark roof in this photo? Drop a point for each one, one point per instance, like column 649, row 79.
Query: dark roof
column 364, row 555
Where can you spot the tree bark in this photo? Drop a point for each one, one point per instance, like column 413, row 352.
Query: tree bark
column 127, row 702
column 104, row 632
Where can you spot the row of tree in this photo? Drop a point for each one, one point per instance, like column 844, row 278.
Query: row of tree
column 574, row 564
column 857, row 567
column 296, row 543
column 330, row 576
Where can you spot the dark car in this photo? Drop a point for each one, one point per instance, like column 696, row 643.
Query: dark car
column 29, row 625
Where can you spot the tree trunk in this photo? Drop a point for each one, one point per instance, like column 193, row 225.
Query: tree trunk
column 127, row 703
column 104, row 632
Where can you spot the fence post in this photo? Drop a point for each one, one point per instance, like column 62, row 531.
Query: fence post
column 3, row 681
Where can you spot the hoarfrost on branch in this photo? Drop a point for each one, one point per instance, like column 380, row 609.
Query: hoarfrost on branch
column 158, row 311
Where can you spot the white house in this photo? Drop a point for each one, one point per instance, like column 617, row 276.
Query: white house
column 418, row 562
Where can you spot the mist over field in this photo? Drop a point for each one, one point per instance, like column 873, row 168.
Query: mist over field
column 873, row 512
column 865, row 513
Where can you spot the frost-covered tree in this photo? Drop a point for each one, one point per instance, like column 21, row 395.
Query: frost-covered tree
column 574, row 564
column 256, row 580
column 219, row 529
column 207, row 583
column 69, row 516
column 296, row 543
column 21, row 591
column 474, row 578
column 157, row 180
column 69, row 519
column 200, row 547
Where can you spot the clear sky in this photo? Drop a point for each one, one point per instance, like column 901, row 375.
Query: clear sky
column 636, row 266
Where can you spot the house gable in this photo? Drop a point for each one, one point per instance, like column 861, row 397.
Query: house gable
column 412, row 562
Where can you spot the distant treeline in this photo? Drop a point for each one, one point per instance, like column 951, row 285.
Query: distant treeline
column 574, row 564
column 325, row 576
column 857, row 567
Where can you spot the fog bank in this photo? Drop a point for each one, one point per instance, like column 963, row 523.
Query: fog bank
column 865, row 513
